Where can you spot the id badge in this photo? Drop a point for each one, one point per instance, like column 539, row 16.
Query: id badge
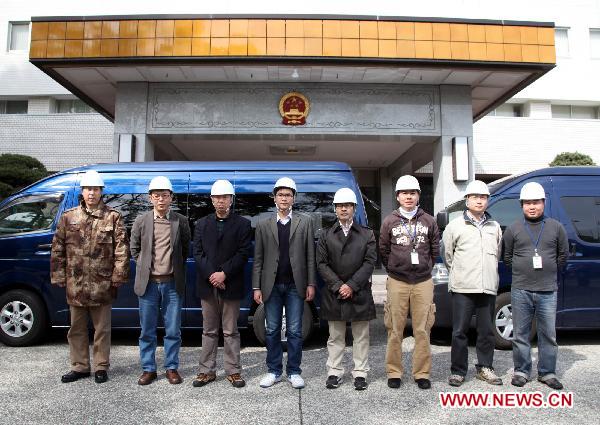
column 537, row 262
column 414, row 258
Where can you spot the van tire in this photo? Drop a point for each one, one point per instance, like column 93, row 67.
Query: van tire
column 27, row 312
column 259, row 324
column 502, row 319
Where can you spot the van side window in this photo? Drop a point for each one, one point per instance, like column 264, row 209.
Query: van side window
column 506, row 211
column 318, row 205
column 199, row 205
column 584, row 213
column 130, row 205
column 28, row 214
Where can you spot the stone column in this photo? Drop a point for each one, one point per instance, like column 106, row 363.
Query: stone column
column 457, row 121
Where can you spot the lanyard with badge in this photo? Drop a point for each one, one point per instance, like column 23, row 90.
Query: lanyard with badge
column 414, row 255
column 537, row 259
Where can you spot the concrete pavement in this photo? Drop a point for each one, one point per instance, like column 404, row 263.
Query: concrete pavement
column 31, row 391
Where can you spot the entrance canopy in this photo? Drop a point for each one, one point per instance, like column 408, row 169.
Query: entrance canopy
column 91, row 55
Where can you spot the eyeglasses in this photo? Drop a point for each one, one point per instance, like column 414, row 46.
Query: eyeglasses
column 160, row 196
column 285, row 195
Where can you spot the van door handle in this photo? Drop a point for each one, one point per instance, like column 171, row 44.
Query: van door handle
column 43, row 249
column 573, row 250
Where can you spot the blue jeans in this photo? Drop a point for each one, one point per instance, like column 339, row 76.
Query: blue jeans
column 284, row 295
column 525, row 306
column 161, row 296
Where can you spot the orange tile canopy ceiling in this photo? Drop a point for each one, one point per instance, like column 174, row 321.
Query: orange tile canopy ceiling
column 315, row 38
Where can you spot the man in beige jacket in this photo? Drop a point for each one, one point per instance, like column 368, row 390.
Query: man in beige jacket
column 471, row 248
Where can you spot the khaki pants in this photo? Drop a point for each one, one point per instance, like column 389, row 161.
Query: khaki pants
column 417, row 299
column 79, row 343
column 336, row 345
column 216, row 310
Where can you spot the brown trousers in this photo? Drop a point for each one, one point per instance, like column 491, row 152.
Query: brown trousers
column 217, row 311
column 417, row 299
column 79, row 343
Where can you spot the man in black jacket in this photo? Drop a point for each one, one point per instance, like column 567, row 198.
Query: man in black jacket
column 222, row 243
column 346, row 256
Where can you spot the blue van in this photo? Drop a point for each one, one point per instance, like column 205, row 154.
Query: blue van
column 29, row 303
column 573, row 198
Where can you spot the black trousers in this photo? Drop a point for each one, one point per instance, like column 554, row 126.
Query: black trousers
column 463, row 307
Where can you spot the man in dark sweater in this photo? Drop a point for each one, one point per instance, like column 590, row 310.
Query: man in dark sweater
column 284, row 275
column 536, row 248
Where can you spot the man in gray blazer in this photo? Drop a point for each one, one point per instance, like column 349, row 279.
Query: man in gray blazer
column 160, row 241
column 284, row 275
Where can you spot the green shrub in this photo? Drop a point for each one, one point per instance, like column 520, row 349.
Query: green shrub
column 18, row 171
column 571, row 158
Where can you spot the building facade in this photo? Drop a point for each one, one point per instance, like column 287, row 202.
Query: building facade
column 186, row 89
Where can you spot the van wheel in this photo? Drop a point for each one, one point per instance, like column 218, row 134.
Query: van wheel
column 23, row 318
column 259, row 324
column 503, row 329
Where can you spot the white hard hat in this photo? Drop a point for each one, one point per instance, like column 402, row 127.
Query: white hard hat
column 222, row 187
column 477, row 187
column 531, row 191
column 160, row 183
column 91, row 178
column 285, row 182
column 407, row 183
column 344, row 195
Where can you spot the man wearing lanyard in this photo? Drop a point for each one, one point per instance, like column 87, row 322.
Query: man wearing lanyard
column 408, row 244
column 536, row 248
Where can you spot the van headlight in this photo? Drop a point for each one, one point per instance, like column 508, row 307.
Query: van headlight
column 439, row 274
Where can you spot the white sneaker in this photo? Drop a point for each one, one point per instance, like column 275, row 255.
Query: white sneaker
column 269, row 380
column 296, row 381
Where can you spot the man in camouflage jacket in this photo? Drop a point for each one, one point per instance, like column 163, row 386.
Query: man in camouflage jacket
column 90, row 257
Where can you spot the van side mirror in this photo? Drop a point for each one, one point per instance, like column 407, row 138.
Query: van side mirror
column 442, row 219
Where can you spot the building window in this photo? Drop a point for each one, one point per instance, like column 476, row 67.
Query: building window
column 508, row 110
column 19, row 36
column 72, row 106
column 561, row 41
column 595, row 43
column 13, row 106
column 575, row 112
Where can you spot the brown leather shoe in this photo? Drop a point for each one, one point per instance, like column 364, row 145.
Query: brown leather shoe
column 203, row 378
column 147, row 378
column 236, row 380
column 173, row 376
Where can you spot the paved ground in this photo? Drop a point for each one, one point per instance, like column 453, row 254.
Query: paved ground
column 31, row 392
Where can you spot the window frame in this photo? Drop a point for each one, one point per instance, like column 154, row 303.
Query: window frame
column 592, row 55
column 9, row 40
column 19, row 200
column 568, row 42
column 570, row 218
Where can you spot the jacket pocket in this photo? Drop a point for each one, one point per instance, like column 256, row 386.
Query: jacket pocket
column 72, row 234
column 430, row 316
column 105, row 234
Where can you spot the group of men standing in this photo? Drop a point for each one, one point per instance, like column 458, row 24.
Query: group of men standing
column 91, row 251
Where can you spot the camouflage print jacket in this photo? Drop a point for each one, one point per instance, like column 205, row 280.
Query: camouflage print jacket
column 90, row 255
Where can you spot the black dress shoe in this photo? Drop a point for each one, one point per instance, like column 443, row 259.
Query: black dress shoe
column 394, row 382
column 100, row 376
column 360, row 383
column 73, row 376
column 423, row 383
